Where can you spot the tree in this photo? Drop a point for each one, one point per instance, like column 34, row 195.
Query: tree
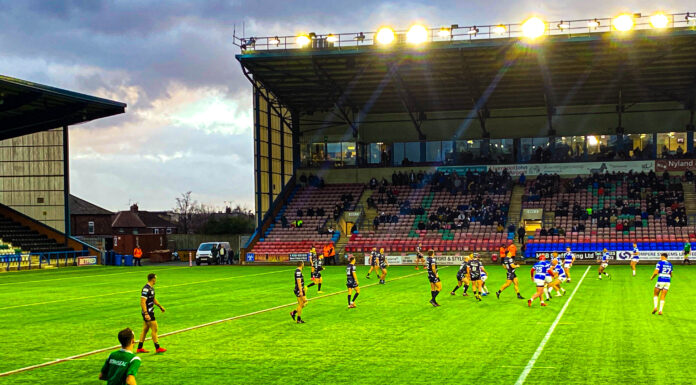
column 185, row 208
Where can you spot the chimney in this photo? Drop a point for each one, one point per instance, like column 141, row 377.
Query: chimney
column 134, row 208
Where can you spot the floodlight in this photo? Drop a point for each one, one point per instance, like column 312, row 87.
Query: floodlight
column 563, row 25
column 445, row 32
column 593, row 24
column 623, row 22
column 385, row 35
column 690, row 18
column 533, row 28
column 473, row 31
column 592, row 140
column 499, row 29
column 659, row 20
column 303, row 40
column 274, row 41
column 417, row 34
column 331, row 38
column 360, row 37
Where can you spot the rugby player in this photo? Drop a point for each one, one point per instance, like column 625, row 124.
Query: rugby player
column 299, row 293
column 474, row 269
column 317, row 265
column 663, row 271
column 559, row 276
column 568, row 261
column 510, row 266
column 603, row 263
column 434, row 278
column 538, row 273
column 462, row 276
column 122, row 365
column 419, row 256
column 147, row 307
column 383, row 264
column 635, row 258
column 352, row 282
column 373, row 262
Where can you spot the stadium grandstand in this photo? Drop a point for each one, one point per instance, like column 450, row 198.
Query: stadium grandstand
column 35, row 173
column 579, row 132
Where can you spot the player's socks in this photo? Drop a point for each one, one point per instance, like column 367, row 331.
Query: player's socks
column 634, row 273
column 355, row 296
column 157, row 346
column 497, row 294
column 655, row 302
column 348, row 299
column 140, row 344
column 466, row 287
column 310, row 285
column 662, row 304
column 292, row 314
column 319, row 287
column 519, row 296
column 455, row 289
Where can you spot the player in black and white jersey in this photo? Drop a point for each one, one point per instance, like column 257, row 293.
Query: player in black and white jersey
column 475, row 269
column 462, row 276
column 419, row 255
column 352, row 282
column 299, row 293
column 147, row 309
column 509, row 265
column 317, row 264
column 434, row 278
column 383, row 265
column 373, row 262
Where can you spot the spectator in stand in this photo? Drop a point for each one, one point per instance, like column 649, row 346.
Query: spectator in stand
column 373, row 183
column 521, row 232
column 543, row 232
column 310, row 212
column 561, row 232
column 284, row 220
column 375, row 223
column 499, row 228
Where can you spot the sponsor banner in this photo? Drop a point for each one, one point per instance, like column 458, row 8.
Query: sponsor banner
column 532, row 213
column 250, row 257
column 410, row 259
column 576, row 168
column 675, row 164
column 579, row 255
column 391, row 259
column 294, row 257
column 655, row 255
column 461, row 170
column 352, row 214
column 86, row 261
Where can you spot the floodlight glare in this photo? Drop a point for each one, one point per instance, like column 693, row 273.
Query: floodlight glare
column 659, row 20
column 563, row 25
column 592, row 140
column 445, row 32
column 385, row 35
column 331, row 38
column 303, row 40
column 594, row 24
column 274, row 41
column 417, row 34
column 623, row 23
column 473, row 31
column 533, row 28
column 499, row 30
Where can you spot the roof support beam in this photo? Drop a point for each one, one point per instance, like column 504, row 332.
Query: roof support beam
column 262, row 93
column 547, row 88
column 416, row 114
column 337, row 95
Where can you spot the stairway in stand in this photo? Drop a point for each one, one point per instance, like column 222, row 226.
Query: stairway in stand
column 515, row 211
column 690, row 201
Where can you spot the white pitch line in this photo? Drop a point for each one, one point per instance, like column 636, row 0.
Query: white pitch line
column 540, row 348
column 81, row 355
column 88, row 276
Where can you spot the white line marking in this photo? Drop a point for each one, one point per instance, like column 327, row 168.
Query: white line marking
column 88, row 276
column 77, row 356
column 131, row 291
column 537, row 353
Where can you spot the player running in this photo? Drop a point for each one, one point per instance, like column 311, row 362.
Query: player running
column 538, row 274
column 373, row 262
column 509, row 265
column 603, row 263
column 147, row 307
column 419, row 256
column 299, row 293
column 475, row 270
column 635, row 258
column 559, row 276
column 462, row 277
column 663, row 271
column 568, row 261
column 383, row 264
column 352, row 282
column 317, row 265
column 434, row 278
column 122, row 365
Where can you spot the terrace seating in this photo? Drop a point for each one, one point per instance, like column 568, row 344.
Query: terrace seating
column 25, row 239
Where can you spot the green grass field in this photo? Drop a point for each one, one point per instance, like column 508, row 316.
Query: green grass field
column 606, row 334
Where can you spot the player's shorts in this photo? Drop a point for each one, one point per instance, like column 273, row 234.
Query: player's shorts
column 604, row 264
column 382, row 266
column 433, row 278
column 316, row 274
column 539, row 282
column 152, row 316
column 475, row 277
column 351, row 284
column 662, row 285
column 461, row 275
column 420, row 256
column 298, row 293
column 635, row 259
column 511, row 276
column 567, row 265
column 484, row 278
column 548, row 279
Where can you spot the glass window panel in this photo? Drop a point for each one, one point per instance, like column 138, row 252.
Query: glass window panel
column 412, row 152
column 349, row 153
column 398, row 153
column 433, row 151
column 333, row 151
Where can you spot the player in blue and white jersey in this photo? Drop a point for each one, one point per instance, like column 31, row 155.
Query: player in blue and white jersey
column 603, row 263
column 663, row 272
column 549, row 278
column 559, row 276
column 568, row 261
column 538, row 273
column 484, row 277
column 634, row 258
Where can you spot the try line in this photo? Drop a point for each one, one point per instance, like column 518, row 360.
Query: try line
column 81, row 355
column 537, row 353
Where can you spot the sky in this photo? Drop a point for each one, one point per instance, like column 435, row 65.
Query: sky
column 188, row 124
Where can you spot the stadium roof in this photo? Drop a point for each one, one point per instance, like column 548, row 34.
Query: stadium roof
column 27, row 107
column 645, row 66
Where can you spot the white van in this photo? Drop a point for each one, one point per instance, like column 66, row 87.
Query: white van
column 203, row 253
